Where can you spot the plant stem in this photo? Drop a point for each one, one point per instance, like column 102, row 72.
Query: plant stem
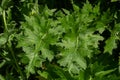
column 5, row 23
column 17, row 65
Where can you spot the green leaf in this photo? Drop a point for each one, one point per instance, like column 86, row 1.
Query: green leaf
column 2, row 63
column 68, row 43
column 3, row 39
column 114, row 0
column 1, row 10
column 48, row 12
column 96, row 9
column 100, row 26
column 110, row 44
column 35, row 39
column 43, row 74
column 103, row 73
column 66, row 11
column 87, row 8
column 46, row 53
column 88, row 43
column 1, row 77
column 73, row 61
column 76, row 8
column 35, row 61
column 56, row 72
column 116, row 30
column 4, row 3
column 88, row 13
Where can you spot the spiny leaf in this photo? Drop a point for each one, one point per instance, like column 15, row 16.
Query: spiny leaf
column 88, row 43
column 110, row 44
column 87, row 8
column 73, row 61
column 46, row 53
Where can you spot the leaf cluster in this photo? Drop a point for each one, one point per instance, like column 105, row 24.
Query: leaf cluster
column 57, row 44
